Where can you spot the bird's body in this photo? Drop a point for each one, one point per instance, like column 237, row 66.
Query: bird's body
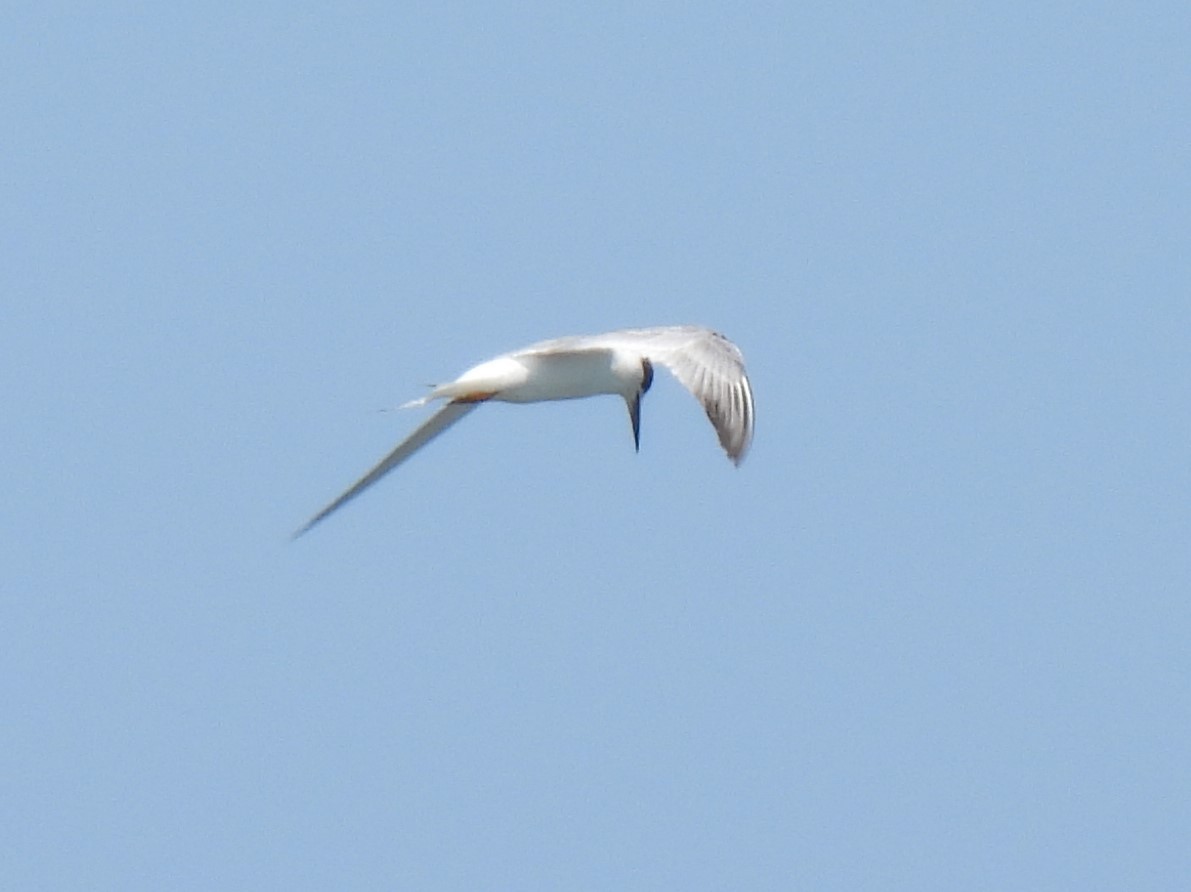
column 619, row 362
column 539, row 377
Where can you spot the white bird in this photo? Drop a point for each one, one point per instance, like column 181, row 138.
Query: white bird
column 620, row 362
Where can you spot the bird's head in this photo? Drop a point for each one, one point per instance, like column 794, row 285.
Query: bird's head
column 634, row 400
column 646, row 375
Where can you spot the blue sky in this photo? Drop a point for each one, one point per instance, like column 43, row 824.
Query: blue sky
column 931, row 635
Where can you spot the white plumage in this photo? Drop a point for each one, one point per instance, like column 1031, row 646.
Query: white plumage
column 620, row 362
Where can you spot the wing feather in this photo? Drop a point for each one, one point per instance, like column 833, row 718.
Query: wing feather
column 712, row 368
column 431, row 428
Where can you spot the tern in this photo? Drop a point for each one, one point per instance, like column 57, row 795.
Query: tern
column 620, row 362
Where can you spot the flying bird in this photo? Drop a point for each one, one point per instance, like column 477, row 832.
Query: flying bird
column 620, row 362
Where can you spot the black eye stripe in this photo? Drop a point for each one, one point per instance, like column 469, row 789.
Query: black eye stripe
column 646, row 375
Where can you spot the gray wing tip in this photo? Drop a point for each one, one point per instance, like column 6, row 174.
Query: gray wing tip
column 735, row 427
column 740, row 452
column 314, row 521
column 303, row 529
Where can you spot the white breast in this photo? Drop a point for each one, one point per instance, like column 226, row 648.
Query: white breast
column 566, row 376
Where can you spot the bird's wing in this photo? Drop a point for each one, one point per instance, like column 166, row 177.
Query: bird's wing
column 712, row 368
column 431, row 428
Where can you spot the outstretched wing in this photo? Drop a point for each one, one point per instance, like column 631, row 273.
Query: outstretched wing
column 712, row 368
column 431, row 428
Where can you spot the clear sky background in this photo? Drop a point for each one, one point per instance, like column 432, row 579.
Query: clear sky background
column 935, row 632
